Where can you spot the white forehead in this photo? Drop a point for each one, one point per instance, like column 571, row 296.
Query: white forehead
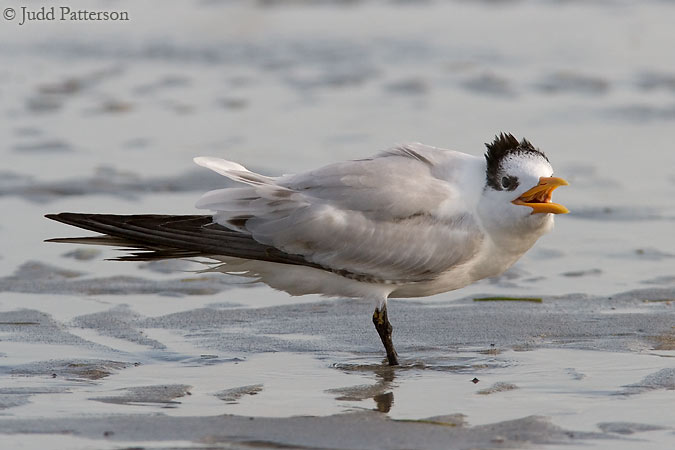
column 526, row 163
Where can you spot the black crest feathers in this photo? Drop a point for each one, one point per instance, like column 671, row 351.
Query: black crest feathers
column 500, row 148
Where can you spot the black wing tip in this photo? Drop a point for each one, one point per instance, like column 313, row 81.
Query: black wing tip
column 59, row 240
column 58, row 218
column 66, row 217
column 62, row 214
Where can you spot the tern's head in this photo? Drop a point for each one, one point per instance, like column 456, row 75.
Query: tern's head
column 519, row 184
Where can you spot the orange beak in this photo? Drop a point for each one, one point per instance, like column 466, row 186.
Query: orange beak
column 539, row 197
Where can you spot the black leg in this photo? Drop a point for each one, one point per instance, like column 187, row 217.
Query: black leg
column 384, row 328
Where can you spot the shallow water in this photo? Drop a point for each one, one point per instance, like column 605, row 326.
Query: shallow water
column 105, row 117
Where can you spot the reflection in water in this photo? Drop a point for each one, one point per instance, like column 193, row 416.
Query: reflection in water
column 380, row 392
column 384, row 402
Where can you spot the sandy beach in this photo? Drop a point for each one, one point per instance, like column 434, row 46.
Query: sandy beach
column 105, row 116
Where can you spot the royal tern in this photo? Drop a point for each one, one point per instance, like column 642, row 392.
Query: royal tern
column 411, row 221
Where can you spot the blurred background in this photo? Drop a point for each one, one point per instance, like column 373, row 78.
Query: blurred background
column 105, row 116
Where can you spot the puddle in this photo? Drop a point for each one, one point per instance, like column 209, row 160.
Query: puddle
column 164, row 395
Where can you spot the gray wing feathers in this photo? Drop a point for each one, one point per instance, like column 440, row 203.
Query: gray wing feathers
column 374, row 217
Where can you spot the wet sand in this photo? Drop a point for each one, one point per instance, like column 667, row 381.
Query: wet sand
column 487, row 374
column 101, row 354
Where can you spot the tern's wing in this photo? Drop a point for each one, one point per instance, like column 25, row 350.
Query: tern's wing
column 381, row 219
column 151, row 236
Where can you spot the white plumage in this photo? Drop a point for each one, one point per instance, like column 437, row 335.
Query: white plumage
column 411, row 221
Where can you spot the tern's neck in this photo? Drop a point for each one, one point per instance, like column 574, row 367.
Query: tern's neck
column 505, row 246
column 520, row 238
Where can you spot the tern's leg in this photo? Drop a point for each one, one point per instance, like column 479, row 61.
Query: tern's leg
column 384, row 328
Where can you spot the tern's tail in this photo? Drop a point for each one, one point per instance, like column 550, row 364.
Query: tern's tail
column 152, row 237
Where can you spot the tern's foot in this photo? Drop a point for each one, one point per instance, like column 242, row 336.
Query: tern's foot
column 384, row 329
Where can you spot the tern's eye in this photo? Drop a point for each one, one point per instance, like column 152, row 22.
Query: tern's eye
column 509, row 183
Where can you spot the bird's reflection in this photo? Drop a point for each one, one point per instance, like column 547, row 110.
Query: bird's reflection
column 381, row 391
column 384, row 402
column 385, row 382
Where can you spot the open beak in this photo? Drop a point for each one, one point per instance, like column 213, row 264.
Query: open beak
column 539, row 197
